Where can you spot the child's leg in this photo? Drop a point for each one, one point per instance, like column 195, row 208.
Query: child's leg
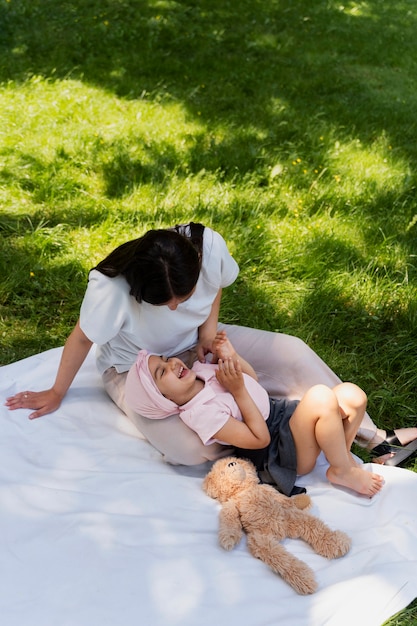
column 352, row 402
column 287, row 368
column 319, row 423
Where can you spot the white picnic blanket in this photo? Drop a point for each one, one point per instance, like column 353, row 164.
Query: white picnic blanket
column 97, row 530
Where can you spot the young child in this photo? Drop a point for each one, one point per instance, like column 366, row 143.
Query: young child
column 225, row 403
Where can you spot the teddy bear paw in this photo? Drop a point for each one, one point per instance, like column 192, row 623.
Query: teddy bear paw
column 228, row 540
column 335, row 545
column 301, row 578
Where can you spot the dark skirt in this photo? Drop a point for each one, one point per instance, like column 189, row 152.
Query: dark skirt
column 277, row 463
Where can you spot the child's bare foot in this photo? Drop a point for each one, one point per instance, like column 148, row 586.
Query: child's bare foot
column 361, row 481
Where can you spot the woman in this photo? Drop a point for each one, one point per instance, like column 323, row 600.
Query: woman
column 162, row 292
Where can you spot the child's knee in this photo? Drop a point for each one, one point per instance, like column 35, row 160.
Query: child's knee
column 322, row 396
column 352, row 396
column 357, row 396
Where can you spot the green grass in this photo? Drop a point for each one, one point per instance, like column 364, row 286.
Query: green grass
column 288, row 126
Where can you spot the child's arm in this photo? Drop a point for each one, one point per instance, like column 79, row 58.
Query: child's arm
column 223, row 349
column 253, row 432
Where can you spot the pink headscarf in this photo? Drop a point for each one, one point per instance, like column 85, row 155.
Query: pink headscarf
column 141, row 393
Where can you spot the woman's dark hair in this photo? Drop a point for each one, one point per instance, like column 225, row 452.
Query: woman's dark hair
column 161, row 265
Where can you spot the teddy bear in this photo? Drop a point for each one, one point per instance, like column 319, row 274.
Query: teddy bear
column 267, row 517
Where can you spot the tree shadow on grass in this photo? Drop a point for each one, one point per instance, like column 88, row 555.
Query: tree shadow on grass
column 302, row 69
column 291, row 60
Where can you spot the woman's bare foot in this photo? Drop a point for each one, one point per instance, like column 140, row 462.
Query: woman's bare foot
column 404, row 435
column 361, row 481
column 381, row 460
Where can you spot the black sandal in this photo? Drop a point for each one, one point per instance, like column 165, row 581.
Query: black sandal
column 392, row 444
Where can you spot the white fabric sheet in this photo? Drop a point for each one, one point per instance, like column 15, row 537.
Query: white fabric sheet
column 97, row 530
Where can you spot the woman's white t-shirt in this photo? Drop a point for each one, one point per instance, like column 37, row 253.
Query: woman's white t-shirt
column 121, row 326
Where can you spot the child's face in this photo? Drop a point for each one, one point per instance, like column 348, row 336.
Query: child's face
column 173, row 378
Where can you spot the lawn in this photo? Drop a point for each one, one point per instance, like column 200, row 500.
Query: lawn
column 290, row 127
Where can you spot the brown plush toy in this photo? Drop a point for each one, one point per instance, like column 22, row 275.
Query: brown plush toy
column 267, row 517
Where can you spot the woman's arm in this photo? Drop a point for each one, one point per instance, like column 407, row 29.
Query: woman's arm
column 253, row 432
column 207, row 331
column 75, row 351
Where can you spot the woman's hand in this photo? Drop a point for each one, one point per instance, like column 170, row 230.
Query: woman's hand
column 42, row 401
column 203, row 347
column 220, row 347
column 75, row 350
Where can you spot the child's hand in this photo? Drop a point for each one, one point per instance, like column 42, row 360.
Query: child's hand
column 222, row 348
column 230, row 375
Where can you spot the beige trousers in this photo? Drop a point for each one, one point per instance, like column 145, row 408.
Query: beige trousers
column 285, row 365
